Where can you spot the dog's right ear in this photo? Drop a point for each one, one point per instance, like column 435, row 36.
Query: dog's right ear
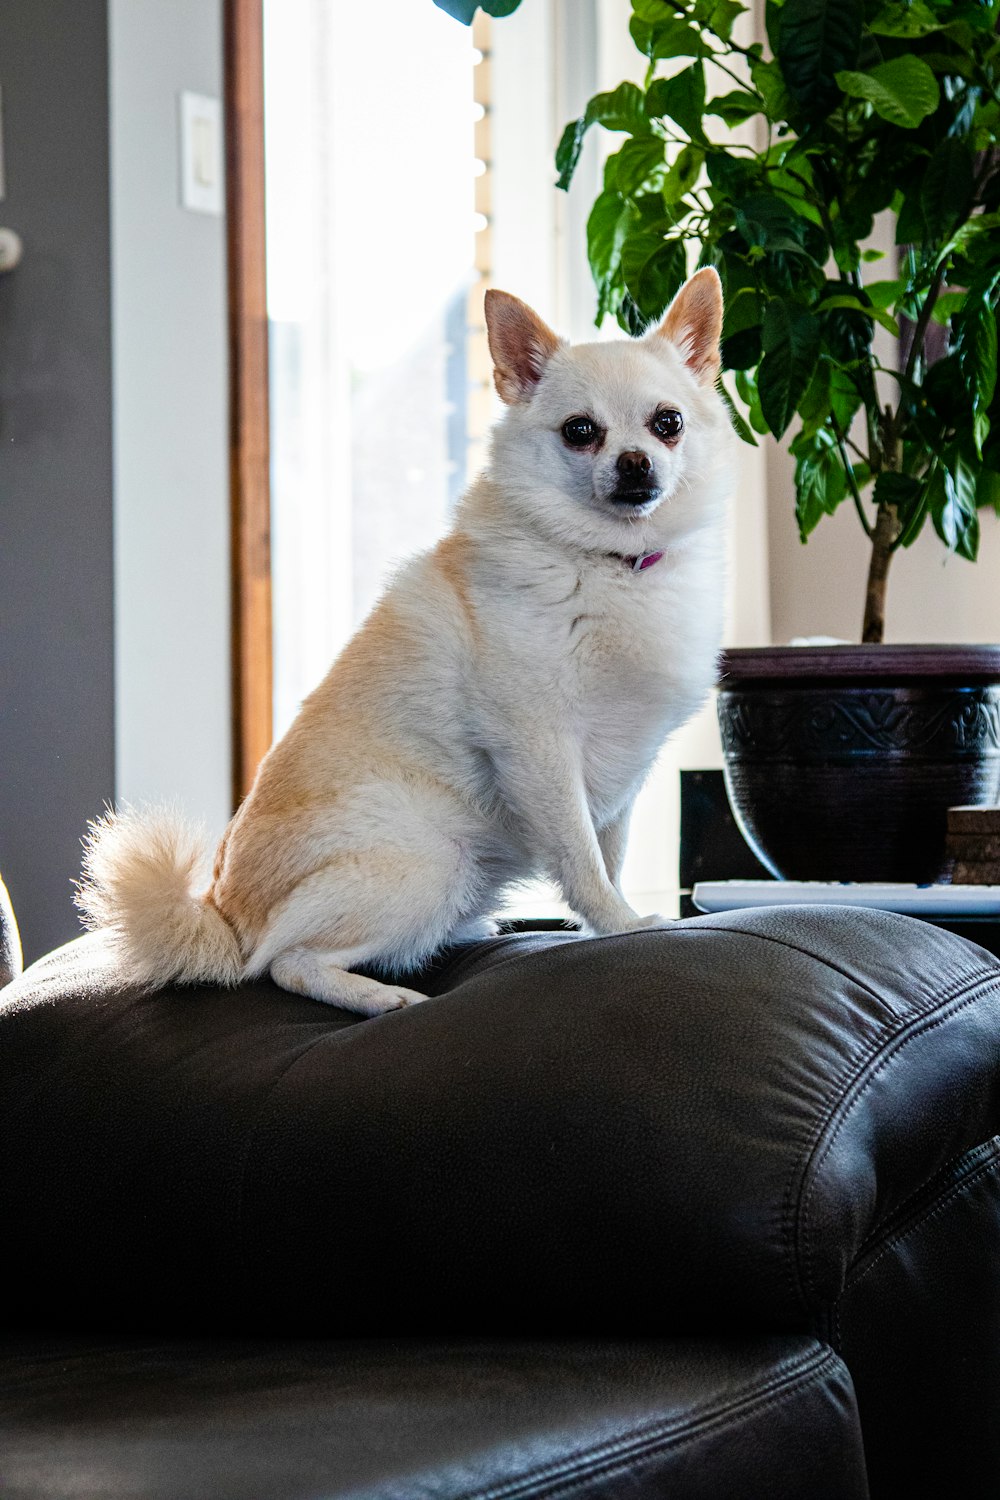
column 520, row 343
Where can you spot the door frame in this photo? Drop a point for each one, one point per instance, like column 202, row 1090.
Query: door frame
column 249, row 422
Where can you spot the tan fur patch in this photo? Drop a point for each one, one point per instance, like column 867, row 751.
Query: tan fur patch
column 453, row 558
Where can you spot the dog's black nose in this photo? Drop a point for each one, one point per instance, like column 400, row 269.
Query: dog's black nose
column 635, row 466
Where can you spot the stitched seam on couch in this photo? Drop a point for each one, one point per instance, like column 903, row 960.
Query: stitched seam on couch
column 966, row 1165
column 838, row 1086
column 867, row 1071
column 733, row 932
column 563, row 1477
column 792, row 1196
column 968, row 1180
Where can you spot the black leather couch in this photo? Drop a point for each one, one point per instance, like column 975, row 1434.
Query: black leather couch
column 710, row 1211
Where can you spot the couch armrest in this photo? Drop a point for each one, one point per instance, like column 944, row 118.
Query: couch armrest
column 10, row 941
column 683, row 1130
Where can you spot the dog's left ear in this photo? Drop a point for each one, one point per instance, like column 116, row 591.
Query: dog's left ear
column 520, row 343
column 693, row 323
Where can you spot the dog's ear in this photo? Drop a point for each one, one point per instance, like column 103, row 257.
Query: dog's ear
column 693, row 324
column 520, row 343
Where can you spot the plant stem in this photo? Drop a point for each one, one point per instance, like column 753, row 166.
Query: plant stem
column 916, row 348
column 747, row 87
column 883, row 538
column 852, row 483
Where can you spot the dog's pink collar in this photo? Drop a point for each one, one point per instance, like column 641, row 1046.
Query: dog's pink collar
column 644, row 560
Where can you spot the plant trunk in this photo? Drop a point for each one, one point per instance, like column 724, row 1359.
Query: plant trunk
column 885, row 533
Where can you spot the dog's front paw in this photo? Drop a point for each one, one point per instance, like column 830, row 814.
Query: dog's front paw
column 631, row 924
column 476, row 930
column 643, row 924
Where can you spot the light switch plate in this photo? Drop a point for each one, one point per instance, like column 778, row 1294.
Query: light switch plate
column 201, row 153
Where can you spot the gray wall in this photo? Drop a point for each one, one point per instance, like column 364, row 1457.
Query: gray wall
column 171, row 438
column 114, row 498
column 56, row 641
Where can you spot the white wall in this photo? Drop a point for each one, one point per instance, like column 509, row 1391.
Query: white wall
column 171, row 504
column 819, row 588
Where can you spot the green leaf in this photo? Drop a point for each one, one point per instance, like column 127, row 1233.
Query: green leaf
column 654, row 270
column 568, row 152
column 731, row 176
column 741, row 350
column 883, row 293
column 946, row 306
column 910, row 226
column 621, row 109
column 650, row 10
column 607, row 226
column 988, row 489
column 637, row 160
column 719, row 16
column 767, row 221
column 951, row 499
column 845, row 398
column 464, row 10
column 947, row 187
column 747, row 388
column 963, row 241
column 820, row 482
column 771, row 86
column 743, row 310
column 666, row 38
column 899, row 490
column 682, row 98
column 903, row 91
column 736, row 107
column 791, row 340
column 814, row 404
column 905, row 20
column 977, row 329
column 816, row 40
column 855, row 304
column 831, row 393
column 683, row 174
column 740, row 425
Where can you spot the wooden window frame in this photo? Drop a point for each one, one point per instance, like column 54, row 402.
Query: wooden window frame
column 249, row 423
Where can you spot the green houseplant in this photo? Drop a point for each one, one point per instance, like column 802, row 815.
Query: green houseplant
column 840, row 763
column 770, row 161
column 855, row 106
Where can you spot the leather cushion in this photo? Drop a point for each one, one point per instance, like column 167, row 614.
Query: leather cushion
column 674, row 1131
column 388, row 1421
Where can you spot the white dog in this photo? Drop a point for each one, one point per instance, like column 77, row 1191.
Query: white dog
column 497, row 712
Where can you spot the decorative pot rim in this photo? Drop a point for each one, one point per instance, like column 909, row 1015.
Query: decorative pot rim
column 742, row 666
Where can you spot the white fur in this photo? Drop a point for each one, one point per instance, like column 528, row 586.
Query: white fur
column 494, row 718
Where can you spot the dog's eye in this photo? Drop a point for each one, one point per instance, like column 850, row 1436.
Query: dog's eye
column 667, row 424
column 580, row 432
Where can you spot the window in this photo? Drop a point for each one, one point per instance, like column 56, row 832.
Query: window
column 370, row 137
column 409, row 161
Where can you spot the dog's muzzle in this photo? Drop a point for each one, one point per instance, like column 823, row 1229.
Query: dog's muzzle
column 637, row 484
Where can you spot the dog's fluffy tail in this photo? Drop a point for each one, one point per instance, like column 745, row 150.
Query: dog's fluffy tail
column 141, row 872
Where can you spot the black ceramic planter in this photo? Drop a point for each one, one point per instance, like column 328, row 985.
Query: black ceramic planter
column 841, row 761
